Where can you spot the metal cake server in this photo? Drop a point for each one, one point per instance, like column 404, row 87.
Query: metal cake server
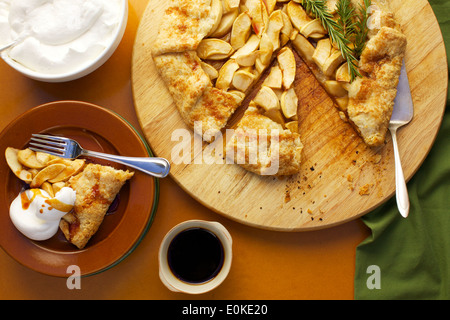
column 402, row 114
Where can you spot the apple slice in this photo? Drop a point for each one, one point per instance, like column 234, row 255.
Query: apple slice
column 292, row 126
column 304, row 47
column 214, row 49
column 322, row 52
column 297, row 14
column 332, row 62
column 216, row 12
column 289, row 103
column 275, row 78
column 230, row 5
column 274, row 28
column 15, row 166
column 46, row 174
column 58, row 186
column 73, row 167
column 287, row 30
column 241, row 31
column 226, row 23
column 238, row 95
column 335, row 89
column 276, row 116
column 242, row 80
column 342, row 73
column 267, row 99
column 342, row 103
column 313, row 29
column 47, row 187
column 247, row 55
column 209, row 70
column 27, row 158
column 226, row 74
column 266, row 50
column 288, row 66
column 258, row 14
column 270, row 5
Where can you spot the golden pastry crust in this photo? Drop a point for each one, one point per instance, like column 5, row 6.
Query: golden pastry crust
column 371, row 98
column 184, row 25
column 185, row 79
column 262, row 146
column 96, row 188
column 212, row 111
column 195, row 97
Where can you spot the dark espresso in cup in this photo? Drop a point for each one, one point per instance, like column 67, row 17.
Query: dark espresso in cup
column 195, row 255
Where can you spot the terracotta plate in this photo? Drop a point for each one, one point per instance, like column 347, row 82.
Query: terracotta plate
column 130, row 216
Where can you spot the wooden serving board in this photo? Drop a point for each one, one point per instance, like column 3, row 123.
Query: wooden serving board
column 341, row 179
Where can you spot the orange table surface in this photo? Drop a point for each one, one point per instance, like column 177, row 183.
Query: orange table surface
column 266, row 264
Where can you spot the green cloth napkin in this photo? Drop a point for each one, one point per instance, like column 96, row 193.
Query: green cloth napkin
column 410, row 258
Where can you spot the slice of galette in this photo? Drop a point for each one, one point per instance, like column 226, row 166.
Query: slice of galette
column 96, row 188
column 263, row 146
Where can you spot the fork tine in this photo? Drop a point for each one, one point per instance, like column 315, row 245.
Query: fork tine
column 46, row 147
column 49, row 137
column 49, row 142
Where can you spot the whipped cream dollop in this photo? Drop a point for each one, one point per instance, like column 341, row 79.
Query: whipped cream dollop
column 37, row 215
column 58, row 36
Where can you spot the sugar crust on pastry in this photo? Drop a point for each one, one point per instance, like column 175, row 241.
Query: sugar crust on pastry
column 96, row 188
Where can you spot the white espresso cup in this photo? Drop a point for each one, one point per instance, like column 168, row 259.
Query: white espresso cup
column 195, row 256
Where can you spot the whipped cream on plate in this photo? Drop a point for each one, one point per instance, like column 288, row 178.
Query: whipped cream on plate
column 58, row 36
column 37, row 215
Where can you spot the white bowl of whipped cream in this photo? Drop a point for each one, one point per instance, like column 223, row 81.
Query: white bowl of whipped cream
column 60, row 40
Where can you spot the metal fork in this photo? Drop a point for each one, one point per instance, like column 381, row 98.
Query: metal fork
column 71, row 149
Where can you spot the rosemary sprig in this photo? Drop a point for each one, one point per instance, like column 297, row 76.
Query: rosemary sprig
column 319, row 10
column 346, row 22
column 361, row 26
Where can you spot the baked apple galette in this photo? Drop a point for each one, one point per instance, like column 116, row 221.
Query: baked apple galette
column 212, row 54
